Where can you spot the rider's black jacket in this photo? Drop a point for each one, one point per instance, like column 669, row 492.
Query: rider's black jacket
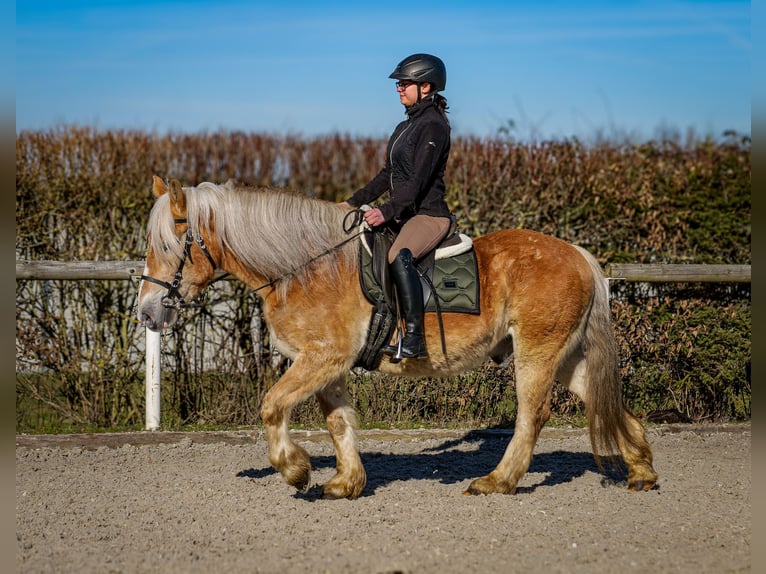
column 416, row 155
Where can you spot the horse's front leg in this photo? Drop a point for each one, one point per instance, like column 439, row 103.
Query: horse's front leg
column 350, row 476
column 304, row 378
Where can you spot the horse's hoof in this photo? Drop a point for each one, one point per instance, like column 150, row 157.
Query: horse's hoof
column 334, row 495
column 331, row 495
column 299, row 478
column 295, row 468
column 302, row 487
column 488, row 485
column 641, row 485
column 338, row 490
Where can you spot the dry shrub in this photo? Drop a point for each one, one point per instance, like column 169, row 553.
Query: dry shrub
column 84, row 194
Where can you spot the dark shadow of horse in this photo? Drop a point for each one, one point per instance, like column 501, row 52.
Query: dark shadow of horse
column 448, row 464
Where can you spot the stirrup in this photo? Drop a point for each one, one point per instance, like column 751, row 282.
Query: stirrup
column 399, row 352
column 395, row 350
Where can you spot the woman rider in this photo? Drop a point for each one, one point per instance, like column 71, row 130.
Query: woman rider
column 413, row 176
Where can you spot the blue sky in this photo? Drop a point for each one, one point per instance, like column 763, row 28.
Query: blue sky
column 551, row 69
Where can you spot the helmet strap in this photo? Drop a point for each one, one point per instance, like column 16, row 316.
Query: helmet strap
column 420, row 94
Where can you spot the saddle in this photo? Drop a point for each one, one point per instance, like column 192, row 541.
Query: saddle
column 448, row 275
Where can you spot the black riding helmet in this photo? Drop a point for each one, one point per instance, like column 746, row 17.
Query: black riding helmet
column 422, row 68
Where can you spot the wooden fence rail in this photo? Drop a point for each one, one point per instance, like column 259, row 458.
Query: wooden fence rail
column 649, row 273
column 684, row 273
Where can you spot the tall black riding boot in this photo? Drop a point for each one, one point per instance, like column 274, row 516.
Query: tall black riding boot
column 409, row 293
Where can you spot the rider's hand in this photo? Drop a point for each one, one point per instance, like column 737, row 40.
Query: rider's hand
column 374, row 217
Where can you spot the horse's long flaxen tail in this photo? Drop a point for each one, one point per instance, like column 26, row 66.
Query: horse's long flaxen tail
column 605, row 409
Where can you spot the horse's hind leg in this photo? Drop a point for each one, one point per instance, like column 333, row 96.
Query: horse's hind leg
column 350, row 477
column 637, row 455
column 534, row 382
column 631, row 437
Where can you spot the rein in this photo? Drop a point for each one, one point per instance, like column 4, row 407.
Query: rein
column 348, row 226
column 173, row 298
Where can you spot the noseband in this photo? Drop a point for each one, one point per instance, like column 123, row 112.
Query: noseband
column 173, row 298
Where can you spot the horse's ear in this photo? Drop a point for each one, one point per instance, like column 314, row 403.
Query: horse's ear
column 158, row 186
column 177, row 199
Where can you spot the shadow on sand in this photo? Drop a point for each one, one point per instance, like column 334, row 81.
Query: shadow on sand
column 450, row 464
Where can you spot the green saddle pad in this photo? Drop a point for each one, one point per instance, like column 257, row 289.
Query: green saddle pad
column 455, row 279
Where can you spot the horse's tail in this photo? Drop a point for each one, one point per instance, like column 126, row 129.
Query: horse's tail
column 604, row 405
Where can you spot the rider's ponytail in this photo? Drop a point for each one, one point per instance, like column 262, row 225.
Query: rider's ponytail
column 440, row 103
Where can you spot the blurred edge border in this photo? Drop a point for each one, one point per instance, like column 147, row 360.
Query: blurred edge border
column 8, row 179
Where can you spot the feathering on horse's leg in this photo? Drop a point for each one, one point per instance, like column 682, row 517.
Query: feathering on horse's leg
column 350, row 478
column 288, row 458
column 534, row 384
column 637, row 455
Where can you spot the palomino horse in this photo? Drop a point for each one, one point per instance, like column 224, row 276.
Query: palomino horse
column 542, row 299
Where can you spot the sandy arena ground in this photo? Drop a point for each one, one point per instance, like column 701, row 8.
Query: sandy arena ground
column 210, row 502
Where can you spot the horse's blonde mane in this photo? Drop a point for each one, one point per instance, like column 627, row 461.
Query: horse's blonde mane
column 275, row 233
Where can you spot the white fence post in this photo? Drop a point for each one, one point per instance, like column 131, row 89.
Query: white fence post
column 153, row 339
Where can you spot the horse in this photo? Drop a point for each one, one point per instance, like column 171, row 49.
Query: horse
column 542, row 300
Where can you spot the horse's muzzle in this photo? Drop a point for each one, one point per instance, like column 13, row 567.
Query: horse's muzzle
column 156, row 316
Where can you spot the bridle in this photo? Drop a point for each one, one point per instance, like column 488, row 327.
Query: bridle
column 173, row 298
